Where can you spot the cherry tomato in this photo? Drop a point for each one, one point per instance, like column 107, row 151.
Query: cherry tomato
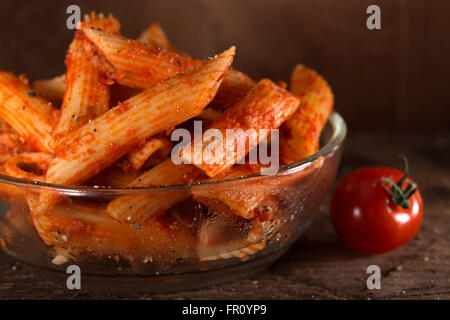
column 376, row 209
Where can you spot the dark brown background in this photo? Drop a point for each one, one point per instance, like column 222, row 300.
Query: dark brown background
column 393, row 78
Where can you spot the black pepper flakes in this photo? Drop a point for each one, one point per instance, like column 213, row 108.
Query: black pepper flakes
column 32, row 94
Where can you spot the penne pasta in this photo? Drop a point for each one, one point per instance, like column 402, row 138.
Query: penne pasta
column 155, row 37
column 75, row 228
column 132, row 209
column 86, row 95
column 133, row 63
column 37, row 163
column 266, row 106
column 28, row 166
column 99, row 181
column 10, row 143
column 99, row 143
column 51, row 89
column 244, row 203
column 240, row 199
column 300, row 134
column 31, row 116
column 138, row 157
column 234, row 86
column 138, row 65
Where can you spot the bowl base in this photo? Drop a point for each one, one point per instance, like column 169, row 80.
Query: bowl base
column 163, row 283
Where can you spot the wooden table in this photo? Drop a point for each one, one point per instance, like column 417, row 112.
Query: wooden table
column 319, row 266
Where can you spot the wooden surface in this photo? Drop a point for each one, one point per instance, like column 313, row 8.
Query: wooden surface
column 386, row 76
column 319, row 266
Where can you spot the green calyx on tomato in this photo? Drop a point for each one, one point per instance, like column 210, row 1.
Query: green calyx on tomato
column 399, row 195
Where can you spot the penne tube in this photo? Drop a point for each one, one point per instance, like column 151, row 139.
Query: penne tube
column 99, row 143
column 31, row 116
column 266, row 106
column 138, row 65
column 242, row 202
column 133, row 63
column 28, row 166
column 86, row 96
column 234, row 86
column 249, row 199
column 300, row 134
column 37, row 163
column 138, row 157
column 138, row 208
column 51, row 89
column 92, row 174
column 10, row 143
column 155, row 37
column 242, row 199
column 73, row 228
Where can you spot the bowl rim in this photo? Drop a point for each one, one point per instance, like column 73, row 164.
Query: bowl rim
column 339, row 132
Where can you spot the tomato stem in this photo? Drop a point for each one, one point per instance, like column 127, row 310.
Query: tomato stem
column 399, row 195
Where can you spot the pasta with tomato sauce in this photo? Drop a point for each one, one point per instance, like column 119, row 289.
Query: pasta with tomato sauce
column 106, row 123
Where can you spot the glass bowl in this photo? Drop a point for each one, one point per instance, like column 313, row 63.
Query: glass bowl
column 197, row 242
